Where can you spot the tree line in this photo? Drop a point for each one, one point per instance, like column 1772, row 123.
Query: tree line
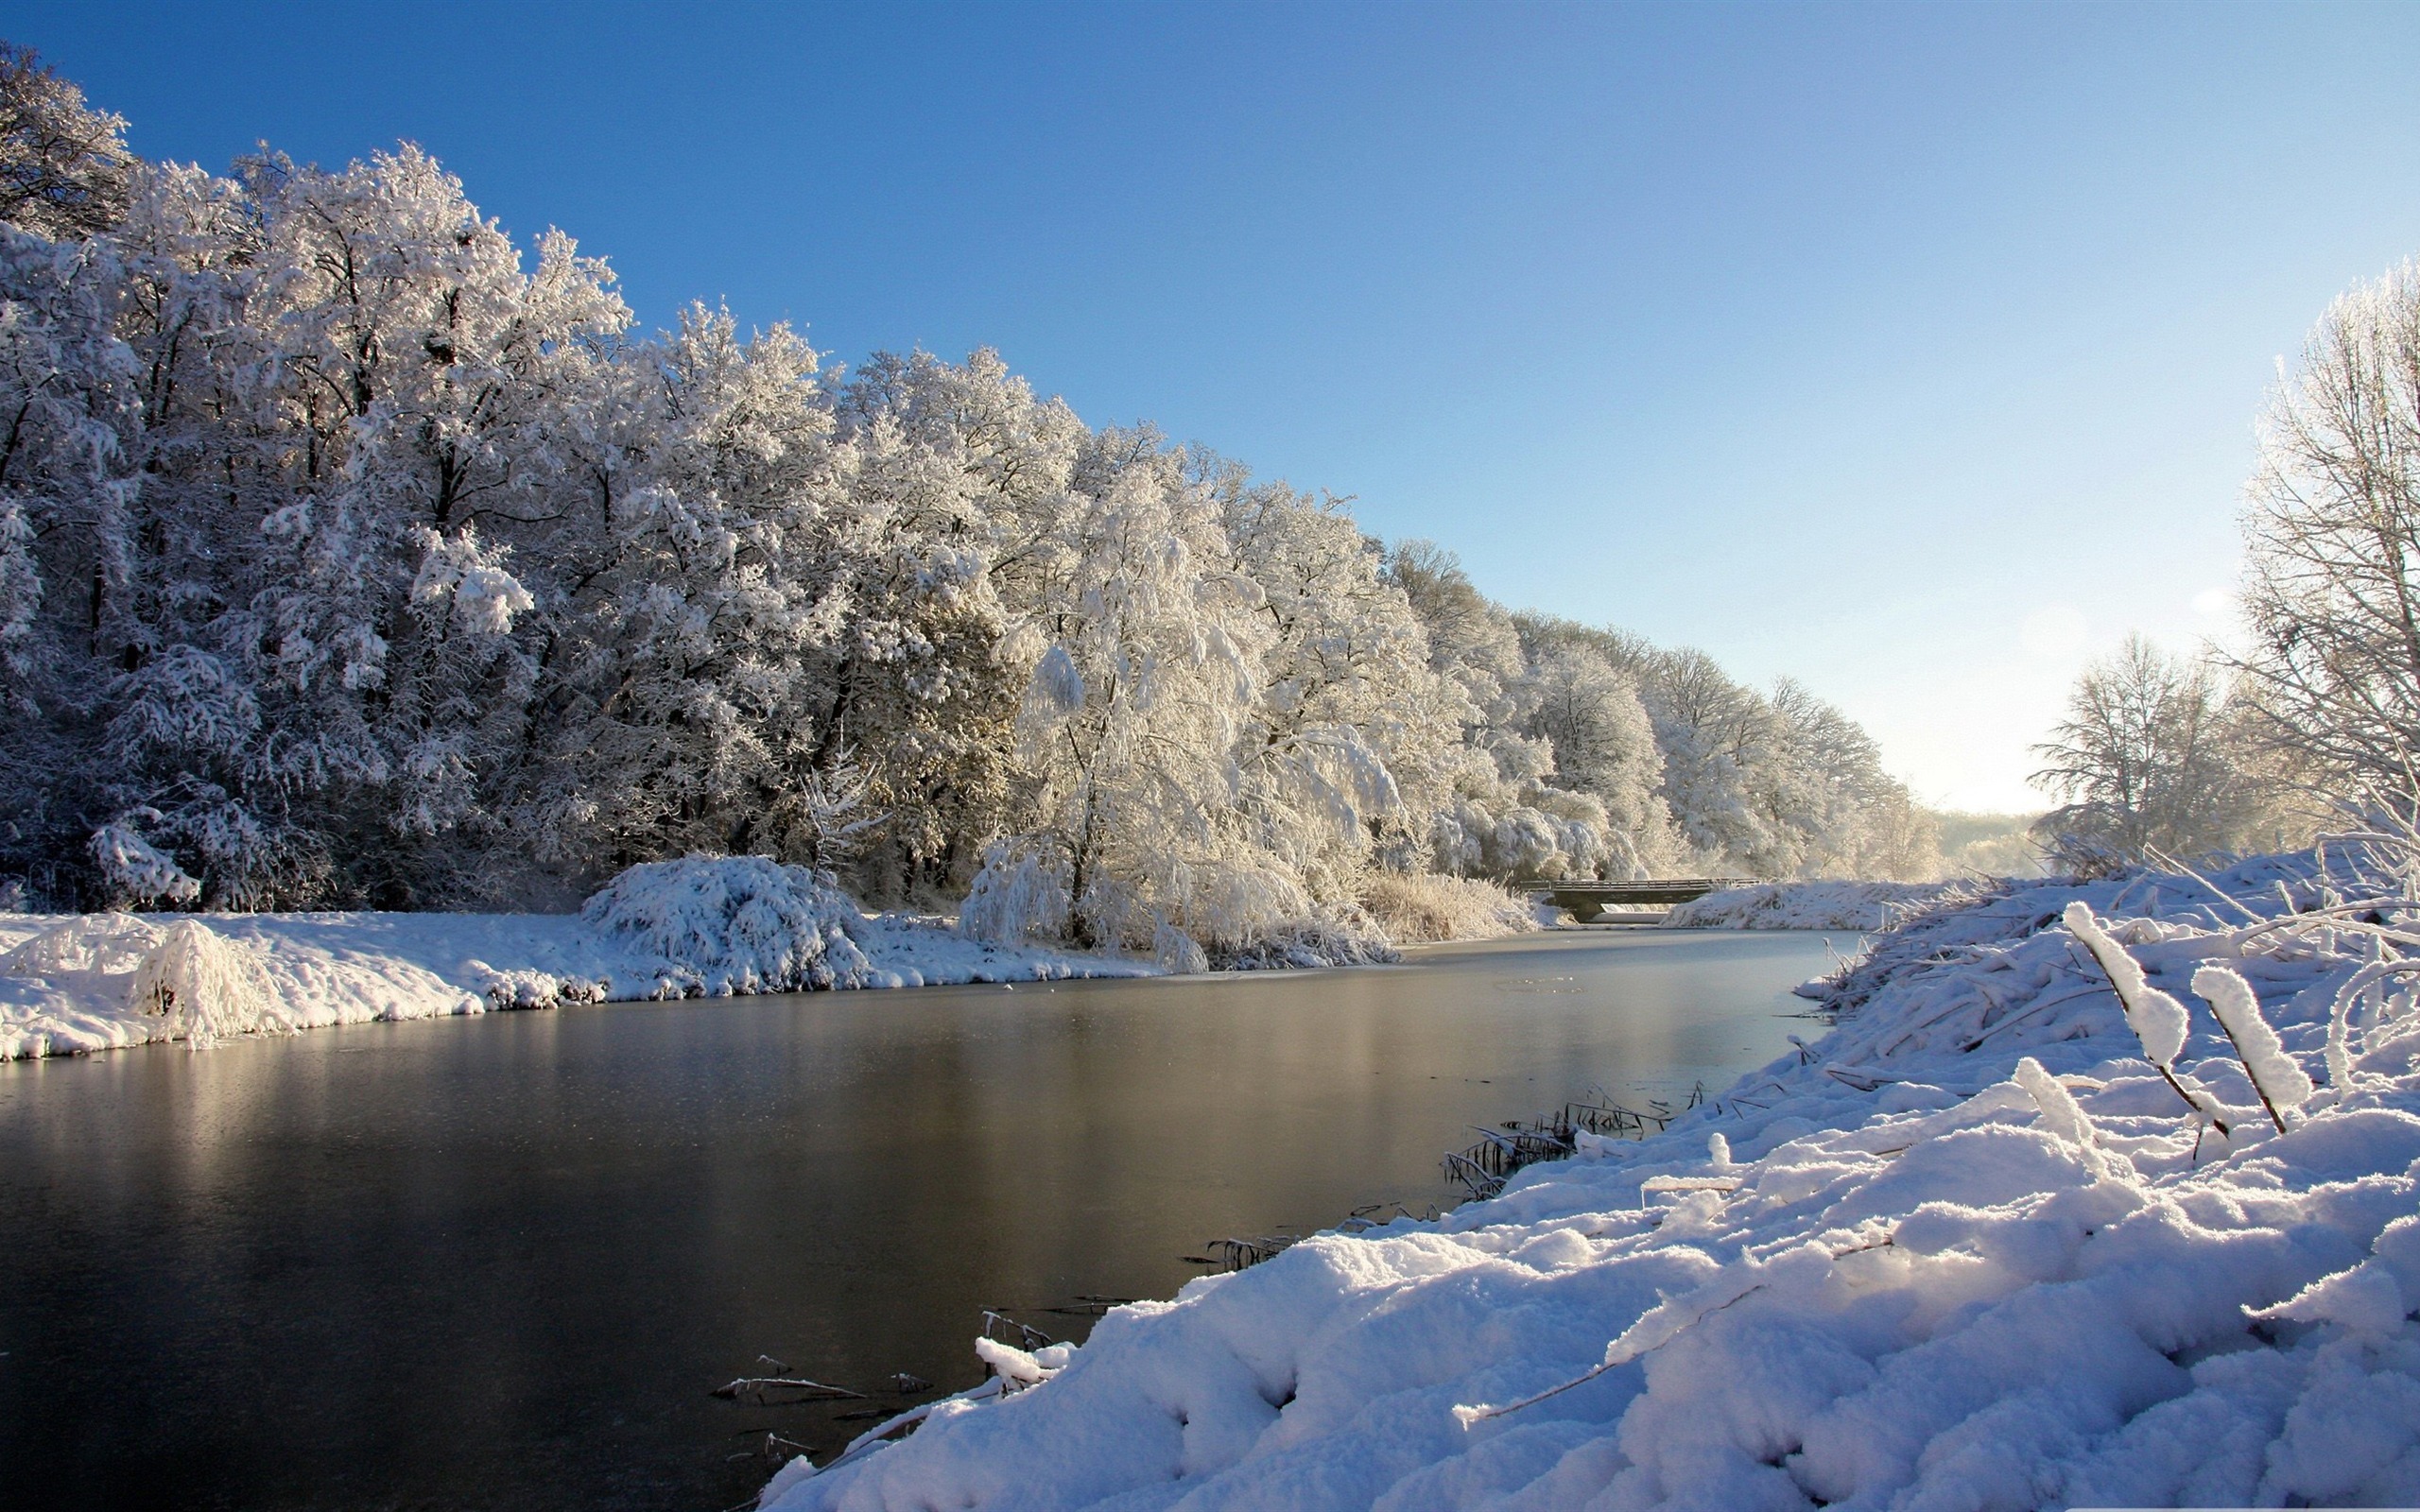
column 353, row 555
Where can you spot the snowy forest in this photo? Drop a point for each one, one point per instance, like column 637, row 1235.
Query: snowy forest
column 353, row 555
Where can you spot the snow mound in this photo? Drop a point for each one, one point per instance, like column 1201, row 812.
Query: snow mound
column 1972, row 1249
column 107, row 943
column 1861, row 905
column 726, row 924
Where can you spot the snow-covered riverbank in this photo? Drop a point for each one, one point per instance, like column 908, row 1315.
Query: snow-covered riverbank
column 1859, row 905
column 75, row 982
column 1975, row 1248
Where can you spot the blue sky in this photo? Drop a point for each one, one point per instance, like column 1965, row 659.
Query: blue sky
column 1911, row 351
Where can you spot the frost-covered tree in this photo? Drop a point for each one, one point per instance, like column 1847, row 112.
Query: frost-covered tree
column 1499, row 815
column 351, row 553
column 68, row 394
column 2332, row 538
column 2145, row 764
column 686, row 647
column 1580, row 695
column 1139, row 696
column 1723, row 763
column 1859, row 820
column 1347, row 750
column 63, row 165
column 956, row 538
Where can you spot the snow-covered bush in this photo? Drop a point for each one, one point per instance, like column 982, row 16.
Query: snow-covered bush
column 1420, row 907
column 726, row 924
column 1338, row 937
column 104, row 943
column 205, row 985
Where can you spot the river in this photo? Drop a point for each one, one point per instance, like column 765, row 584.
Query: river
column 499, row 1261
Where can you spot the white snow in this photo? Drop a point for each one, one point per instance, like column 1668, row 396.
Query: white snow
column 2158, row 1018
column 1864, row 905
column 73, row 983
column 735, row 924
column 1970, row 1250
column 2281, row 1081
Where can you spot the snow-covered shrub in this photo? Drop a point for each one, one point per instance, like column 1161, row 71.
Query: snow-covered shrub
column 205, row 985
column 1419, row 907
column 1340, row 936
column 726, row 924
column 525, row 988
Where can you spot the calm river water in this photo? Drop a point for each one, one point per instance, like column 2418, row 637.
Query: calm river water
column 499, row 1263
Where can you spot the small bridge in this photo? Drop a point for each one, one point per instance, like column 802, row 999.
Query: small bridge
column 1587, row 900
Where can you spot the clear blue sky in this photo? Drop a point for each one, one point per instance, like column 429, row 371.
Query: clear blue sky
column 1909, row 351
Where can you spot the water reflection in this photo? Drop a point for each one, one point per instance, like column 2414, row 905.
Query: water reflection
column 499, row 1261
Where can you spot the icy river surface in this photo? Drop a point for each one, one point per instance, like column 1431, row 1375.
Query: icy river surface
column 502, row 1261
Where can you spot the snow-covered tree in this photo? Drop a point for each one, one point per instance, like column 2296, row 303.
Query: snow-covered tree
column 1348, row 751
column 954, row 539
column 2147, row 761
column 350, row 555
column 2332, row 538
column 63, row 165
column 1859, row 820
column 68, row 394
column 1132, row 716
column 686, row 645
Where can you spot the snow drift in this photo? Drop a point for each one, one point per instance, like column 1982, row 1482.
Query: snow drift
column 698, row 927
column 1975, row 1248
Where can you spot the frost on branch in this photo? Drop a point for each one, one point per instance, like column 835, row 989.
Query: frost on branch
column 138, row 870
column 2282, row 1083
column 1057, row 685
column 461, row 569
column 2158, row 1019
column 726, row 924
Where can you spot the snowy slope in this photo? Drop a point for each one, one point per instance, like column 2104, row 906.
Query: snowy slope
column 68, row 983
column 1971, row 1250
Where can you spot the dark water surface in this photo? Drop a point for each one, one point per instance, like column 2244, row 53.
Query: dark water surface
column 498, row 1262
